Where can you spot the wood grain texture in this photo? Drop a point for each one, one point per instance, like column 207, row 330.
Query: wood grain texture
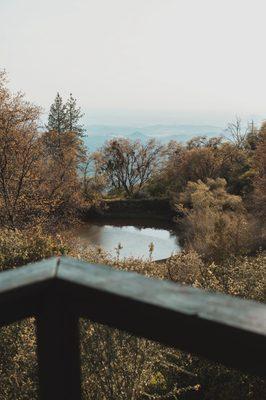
column 20, row 289
column 222, row 328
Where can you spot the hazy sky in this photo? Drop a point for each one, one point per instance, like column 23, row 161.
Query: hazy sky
column 184, row 60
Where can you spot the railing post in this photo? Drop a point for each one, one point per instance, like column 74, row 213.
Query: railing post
column 58, row 351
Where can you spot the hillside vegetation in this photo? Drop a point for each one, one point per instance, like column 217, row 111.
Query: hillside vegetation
column 217, row 190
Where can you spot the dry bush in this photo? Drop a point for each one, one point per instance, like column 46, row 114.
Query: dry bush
column 18, row 361
column 117, row 365
column 216, row 224
column 21, row 247
column 218, row 236
column 241, row 276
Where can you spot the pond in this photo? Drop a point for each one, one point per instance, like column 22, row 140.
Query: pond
column 135, row 237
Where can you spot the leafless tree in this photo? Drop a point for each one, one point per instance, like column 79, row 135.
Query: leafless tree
column 128, row 165
column 236, row 133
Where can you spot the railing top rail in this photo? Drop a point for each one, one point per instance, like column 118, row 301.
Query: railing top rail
column 217, row 326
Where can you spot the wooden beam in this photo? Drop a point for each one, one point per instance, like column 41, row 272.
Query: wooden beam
column 20, row 288
column 222, row 328
column 58, row 349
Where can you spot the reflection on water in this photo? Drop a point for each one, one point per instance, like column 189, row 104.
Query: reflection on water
column 134, row 236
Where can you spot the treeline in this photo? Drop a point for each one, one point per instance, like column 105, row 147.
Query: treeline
column 217, row 186
column 39, row 168
column 132, row 168
column 47, row 174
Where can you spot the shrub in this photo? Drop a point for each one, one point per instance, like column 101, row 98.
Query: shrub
column 215, row 224
column 21, row 247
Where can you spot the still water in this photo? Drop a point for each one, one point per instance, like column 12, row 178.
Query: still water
column 134, row 236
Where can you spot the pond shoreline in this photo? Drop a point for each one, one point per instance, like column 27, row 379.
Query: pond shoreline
column 135, row 236
column 156, row 208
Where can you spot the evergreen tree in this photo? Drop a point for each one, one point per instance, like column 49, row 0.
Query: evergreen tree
column 63, row 139
column 57, row 119
column 73, row 116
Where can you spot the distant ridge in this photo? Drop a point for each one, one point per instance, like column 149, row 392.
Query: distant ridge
column 97, row 135
column 154, row 130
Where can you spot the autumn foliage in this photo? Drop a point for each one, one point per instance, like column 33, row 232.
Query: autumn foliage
column 39, row 180
column 217, row 188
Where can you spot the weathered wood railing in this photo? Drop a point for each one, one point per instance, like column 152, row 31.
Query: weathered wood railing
column 58, row 292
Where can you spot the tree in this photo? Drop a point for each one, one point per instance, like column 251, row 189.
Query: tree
column 38, row 173
column 239, row 136
column 66, row 154
column 65, row 117
column 259, row 195
column 21, row 158
column 73, row 116
column 57, row 119
column 128, row 165
column 202, row 159
column 56, row 128
column 64, row 133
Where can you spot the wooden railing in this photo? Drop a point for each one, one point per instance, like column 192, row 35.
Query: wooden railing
column 57, row 293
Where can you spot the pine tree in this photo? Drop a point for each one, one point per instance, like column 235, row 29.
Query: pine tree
column 57, row 119
column 73, row 116
column 63, row 139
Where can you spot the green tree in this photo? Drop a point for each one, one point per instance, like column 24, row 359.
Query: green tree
column 64, row 131
column 57, row 119
column 66, row 154
column 73, row 116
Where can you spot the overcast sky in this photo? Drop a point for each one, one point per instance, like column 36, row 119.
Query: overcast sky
column 185, row 60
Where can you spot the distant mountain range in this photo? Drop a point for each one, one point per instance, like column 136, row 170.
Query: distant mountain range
column 97, row 135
